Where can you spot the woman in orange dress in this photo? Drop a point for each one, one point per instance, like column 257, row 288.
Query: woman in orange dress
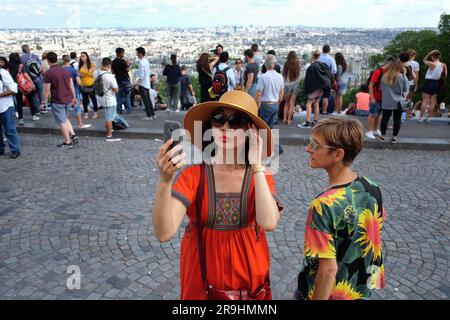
column 237, row 202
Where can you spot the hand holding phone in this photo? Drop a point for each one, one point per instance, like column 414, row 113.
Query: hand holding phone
column 169, row 128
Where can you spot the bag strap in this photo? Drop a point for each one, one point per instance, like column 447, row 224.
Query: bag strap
column 199, row 199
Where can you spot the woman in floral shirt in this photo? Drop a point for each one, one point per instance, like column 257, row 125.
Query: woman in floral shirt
column 343, row 256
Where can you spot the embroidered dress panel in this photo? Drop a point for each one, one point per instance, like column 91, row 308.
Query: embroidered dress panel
column 228, row 213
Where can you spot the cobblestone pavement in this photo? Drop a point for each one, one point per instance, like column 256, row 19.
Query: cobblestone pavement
column 90, row 207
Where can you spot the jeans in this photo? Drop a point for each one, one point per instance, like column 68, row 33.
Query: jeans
column 123, row 96
column 8, row 124
column 39, row 84
column 397, row 121
column 145, row 96
column 173, row 95
column 86, row 96
column 268, row 112
column 18, row 103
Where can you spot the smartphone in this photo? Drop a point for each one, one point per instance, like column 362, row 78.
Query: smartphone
column 169, row 128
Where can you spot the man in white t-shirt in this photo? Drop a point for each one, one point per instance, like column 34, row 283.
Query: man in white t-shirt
column 107, row 81
column 269, row 93
column 415, row 68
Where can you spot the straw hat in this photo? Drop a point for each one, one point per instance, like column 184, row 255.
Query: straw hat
column 237, row 100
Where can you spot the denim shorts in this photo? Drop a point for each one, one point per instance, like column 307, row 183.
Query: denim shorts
column 292, row 89
column 375, row 109
column 59, row 112
column 110, row 113
column 342, row 90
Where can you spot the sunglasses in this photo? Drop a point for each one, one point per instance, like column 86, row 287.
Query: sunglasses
column 236, row 121
column 314, row 145
column 238, row 62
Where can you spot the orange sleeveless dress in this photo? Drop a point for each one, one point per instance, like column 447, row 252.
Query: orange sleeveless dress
column 236, row 250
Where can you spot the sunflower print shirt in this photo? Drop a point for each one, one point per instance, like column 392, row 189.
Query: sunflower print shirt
column 344, row 223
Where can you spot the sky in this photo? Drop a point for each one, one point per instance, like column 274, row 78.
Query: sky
column 202, row 13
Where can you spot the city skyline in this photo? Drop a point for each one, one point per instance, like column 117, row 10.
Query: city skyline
column 190, row 14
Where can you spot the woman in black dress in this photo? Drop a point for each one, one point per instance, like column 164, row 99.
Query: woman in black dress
column 204, row 67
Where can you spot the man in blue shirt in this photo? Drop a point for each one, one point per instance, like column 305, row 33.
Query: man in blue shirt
column 331, row 63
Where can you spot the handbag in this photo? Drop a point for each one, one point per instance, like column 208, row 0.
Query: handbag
column 211, row 292
column 404, row 105
column 25, row 86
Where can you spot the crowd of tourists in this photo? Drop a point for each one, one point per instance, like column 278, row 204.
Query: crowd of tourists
column 44, row 84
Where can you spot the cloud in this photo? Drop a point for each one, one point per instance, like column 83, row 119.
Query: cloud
column 190, row 13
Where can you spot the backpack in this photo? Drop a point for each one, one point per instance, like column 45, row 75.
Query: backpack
column 25, row 86
column 120, row 123
column 98, row 86
column 33, row 68
column 220, row 81
column 377, row 84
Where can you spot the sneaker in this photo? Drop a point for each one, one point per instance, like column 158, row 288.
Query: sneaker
column 168, row 110
column 36, row 117
column 85, row 126
column 377, row 133
column 313, row 123
column 178, row 110
column 112, row 139
column 44, row 111
column 305, row 124
column 21, row 122
column 65, row 145
column 14, row 155
column 74, row 139
column 380, row 138
column 420, row 119
column 148, row 118
column 370, row 135
column 426, row 119
column 155, row 117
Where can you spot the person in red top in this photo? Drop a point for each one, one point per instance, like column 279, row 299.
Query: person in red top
column 373, row 120
column 230, row 204
column 362, row 102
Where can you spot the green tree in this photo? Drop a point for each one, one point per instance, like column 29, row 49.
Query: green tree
column 423, row 42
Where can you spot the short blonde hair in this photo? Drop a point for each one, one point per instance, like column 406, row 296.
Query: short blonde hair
column 342, row 133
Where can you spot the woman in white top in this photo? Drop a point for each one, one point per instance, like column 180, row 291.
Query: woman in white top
column 431, row 86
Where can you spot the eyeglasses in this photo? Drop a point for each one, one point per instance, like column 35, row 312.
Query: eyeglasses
column 236, row 121
column 240, row 62
column 314, row 145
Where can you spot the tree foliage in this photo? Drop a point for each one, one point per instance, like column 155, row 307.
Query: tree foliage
column 422, row 42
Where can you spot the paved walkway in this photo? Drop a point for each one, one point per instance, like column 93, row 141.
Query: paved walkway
column 90, row 207
column 413, row 135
